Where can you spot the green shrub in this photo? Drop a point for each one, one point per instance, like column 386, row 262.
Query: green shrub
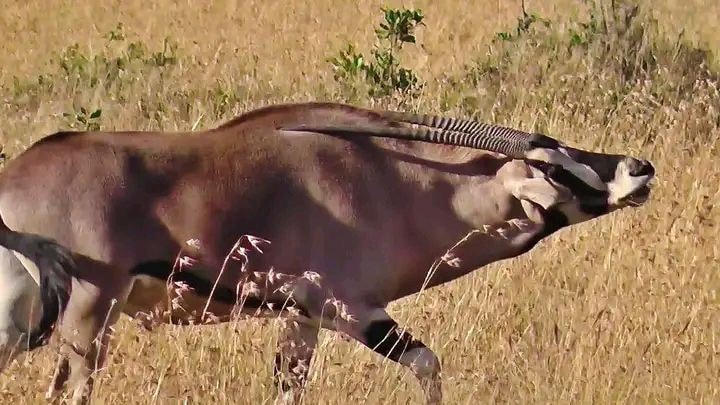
column 383, row 74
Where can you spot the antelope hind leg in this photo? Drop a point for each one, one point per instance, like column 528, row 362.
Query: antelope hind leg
column 296, row 346
column 85, row 330
column 60, row 377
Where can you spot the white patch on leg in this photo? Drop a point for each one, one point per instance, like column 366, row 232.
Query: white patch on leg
column 422, row 361
column 426, row 367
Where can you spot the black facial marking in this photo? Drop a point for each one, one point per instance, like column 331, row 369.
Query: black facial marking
column 163, row 270
column 591, row 200
column 604, row 164
column 384, row 338
column 641, row 168
column 577, row 186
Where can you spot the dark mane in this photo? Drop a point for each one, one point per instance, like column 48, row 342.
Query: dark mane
column 295, row 107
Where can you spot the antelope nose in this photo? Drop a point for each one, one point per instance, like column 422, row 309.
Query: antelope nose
column 641, row 168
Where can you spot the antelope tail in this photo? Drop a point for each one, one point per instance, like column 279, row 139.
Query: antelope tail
column 55, row 265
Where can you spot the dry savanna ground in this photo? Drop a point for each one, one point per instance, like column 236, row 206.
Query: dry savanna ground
column 622, row 309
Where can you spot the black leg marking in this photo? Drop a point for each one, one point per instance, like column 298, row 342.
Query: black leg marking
column 384, row 337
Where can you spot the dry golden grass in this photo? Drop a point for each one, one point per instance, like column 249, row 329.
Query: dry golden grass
column 622, row 309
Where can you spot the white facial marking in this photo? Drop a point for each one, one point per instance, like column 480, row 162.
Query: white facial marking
column 560, row 157
column 623, row 184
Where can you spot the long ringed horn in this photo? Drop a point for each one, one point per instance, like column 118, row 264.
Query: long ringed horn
column 440, row 130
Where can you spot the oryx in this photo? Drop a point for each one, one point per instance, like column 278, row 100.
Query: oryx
column 363, row 201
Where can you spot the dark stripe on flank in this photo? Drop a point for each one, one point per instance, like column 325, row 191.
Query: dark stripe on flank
column 162, row 270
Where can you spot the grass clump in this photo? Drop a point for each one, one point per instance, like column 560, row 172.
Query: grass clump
column 612, row 68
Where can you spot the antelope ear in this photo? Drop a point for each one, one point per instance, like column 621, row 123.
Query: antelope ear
column 540, row 191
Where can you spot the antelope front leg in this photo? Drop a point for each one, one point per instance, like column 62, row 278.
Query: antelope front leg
column 378, row 331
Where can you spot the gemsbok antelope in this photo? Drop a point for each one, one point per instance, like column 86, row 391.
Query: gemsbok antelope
column 357, row 205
